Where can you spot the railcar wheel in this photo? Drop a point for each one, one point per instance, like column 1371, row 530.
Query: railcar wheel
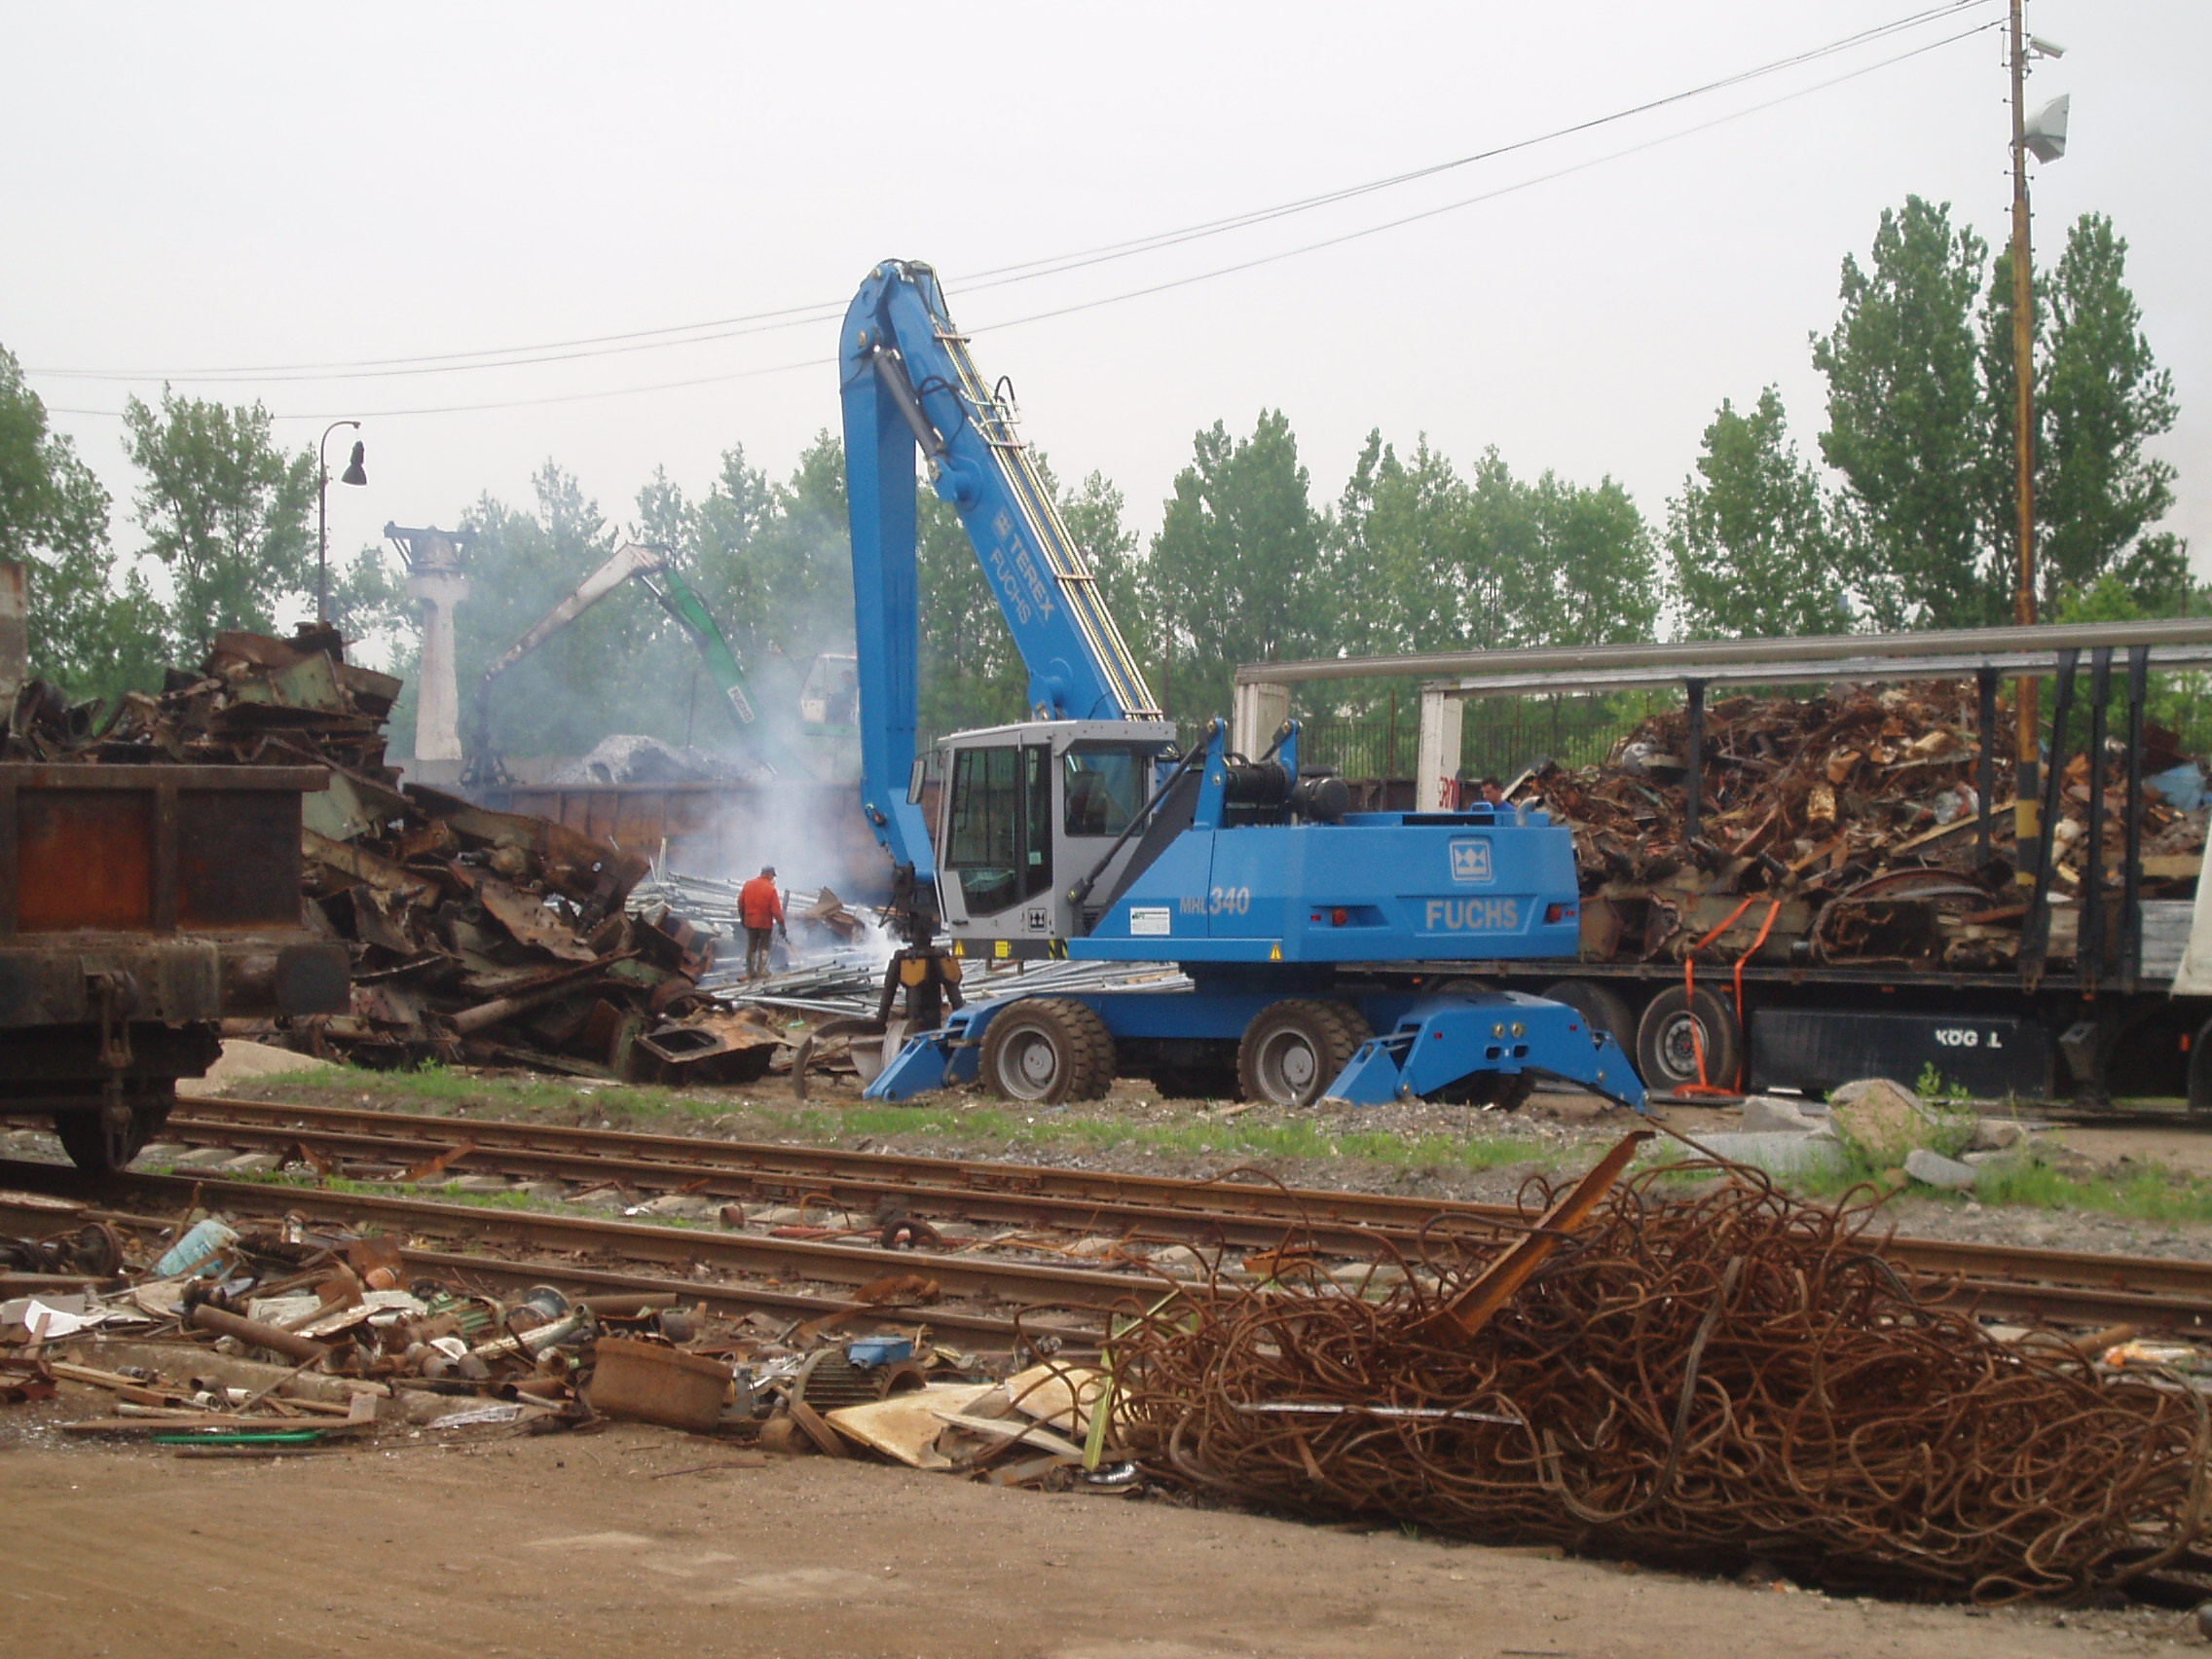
column 1048, row 1049
column 1293, row 1049
column 99, row 1144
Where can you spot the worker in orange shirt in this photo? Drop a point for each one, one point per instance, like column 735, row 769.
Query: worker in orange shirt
column 761, row 908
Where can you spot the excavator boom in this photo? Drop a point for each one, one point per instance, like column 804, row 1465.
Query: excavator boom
column 652, row 568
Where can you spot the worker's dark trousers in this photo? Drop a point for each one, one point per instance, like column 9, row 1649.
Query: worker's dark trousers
column 756, row 952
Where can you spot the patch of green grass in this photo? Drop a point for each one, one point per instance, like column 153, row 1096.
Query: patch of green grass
column 2152, row 1192
column 433, row 1089
column 1194, row 1135
column 957, row 1120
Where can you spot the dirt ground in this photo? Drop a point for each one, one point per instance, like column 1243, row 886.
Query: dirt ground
column 604, row 1545
column 646, row 1541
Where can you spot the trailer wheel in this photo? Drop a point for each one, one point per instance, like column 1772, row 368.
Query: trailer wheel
column 1602, row 1008
column 2201, row 1069
column 1293, row 1049
column 1048, row 1049
column 1675, row 1025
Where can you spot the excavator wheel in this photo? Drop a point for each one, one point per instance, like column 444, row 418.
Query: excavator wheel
column 1048, row 1049
column 1294, row 1048
column 1600, row 1005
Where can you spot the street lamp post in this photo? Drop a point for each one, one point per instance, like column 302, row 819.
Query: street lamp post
column 354, row 473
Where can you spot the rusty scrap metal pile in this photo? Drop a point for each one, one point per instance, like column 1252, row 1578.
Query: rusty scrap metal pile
column 477, row 935
column 258, row 1338
column 1707, row 1383
column 1849, row 821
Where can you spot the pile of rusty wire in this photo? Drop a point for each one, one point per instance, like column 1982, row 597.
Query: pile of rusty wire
column 1708, row 1383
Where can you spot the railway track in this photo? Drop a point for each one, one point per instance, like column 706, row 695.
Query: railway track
column 2066, row 1287
column 1240, row 1214
column 755, row 1271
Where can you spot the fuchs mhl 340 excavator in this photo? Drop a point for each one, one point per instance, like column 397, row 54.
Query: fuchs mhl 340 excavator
column 1083, row 832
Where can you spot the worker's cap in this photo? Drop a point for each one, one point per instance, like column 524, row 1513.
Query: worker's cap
column 767, row 870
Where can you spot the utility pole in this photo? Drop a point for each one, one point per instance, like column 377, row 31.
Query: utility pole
column 2027, row 756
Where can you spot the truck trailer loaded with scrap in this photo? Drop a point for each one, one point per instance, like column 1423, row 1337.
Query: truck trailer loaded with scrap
column 1807, row 868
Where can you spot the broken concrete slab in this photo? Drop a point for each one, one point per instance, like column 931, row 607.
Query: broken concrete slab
column 1933, row 1169
column 1997, row 1134
column 1769, row 1114
column 1787, row 1152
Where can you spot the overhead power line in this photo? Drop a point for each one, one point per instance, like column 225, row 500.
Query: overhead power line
column 819, row 362
column 798, row 316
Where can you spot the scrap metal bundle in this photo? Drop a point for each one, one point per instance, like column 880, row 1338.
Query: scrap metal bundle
column 255, row 701
column 494, row 938
column 1850, row 823
column 475, row 934
column 1705, row 1382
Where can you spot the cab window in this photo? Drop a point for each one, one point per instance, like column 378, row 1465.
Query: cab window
column 1104, row 789
column 982, row 840
column 999, row 840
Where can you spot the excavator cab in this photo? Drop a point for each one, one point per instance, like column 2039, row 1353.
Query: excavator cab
column 1030, row 813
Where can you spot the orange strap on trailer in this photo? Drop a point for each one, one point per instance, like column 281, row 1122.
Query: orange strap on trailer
column 1703, row 1085
column 1773, row 909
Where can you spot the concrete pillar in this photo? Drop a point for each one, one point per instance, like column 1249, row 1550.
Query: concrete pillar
column 437, row 693
column 1258, row 710
column 15, row 632
column 1437, row 756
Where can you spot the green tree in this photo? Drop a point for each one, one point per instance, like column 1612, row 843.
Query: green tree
column 1908, row 421
column 93, row 630
column 1235, row 565
column 1093, row 513
column 972, row 671
column 1594, row 575
column 972, row 674
column 592, row 678
column 2099, row 398
column 225, row 510
column 1421, row 558
column 1749, row 536
column 1401, row 576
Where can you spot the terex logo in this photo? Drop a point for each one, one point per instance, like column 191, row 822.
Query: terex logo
column 1473, row 915
column 1470, row 861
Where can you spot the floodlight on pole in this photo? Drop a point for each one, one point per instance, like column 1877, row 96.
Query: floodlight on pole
column 356, row 473
column 2045, row 133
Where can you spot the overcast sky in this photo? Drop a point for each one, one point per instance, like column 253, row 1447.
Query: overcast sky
column 243, row 187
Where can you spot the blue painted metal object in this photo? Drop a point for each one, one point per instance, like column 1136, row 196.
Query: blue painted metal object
column 1372, row 887
column 1434, row 1042
column 1441, row 1040
column 1081, row 833
column 909, row 386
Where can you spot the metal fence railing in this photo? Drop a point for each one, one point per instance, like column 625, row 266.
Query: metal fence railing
column 1498, row 735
